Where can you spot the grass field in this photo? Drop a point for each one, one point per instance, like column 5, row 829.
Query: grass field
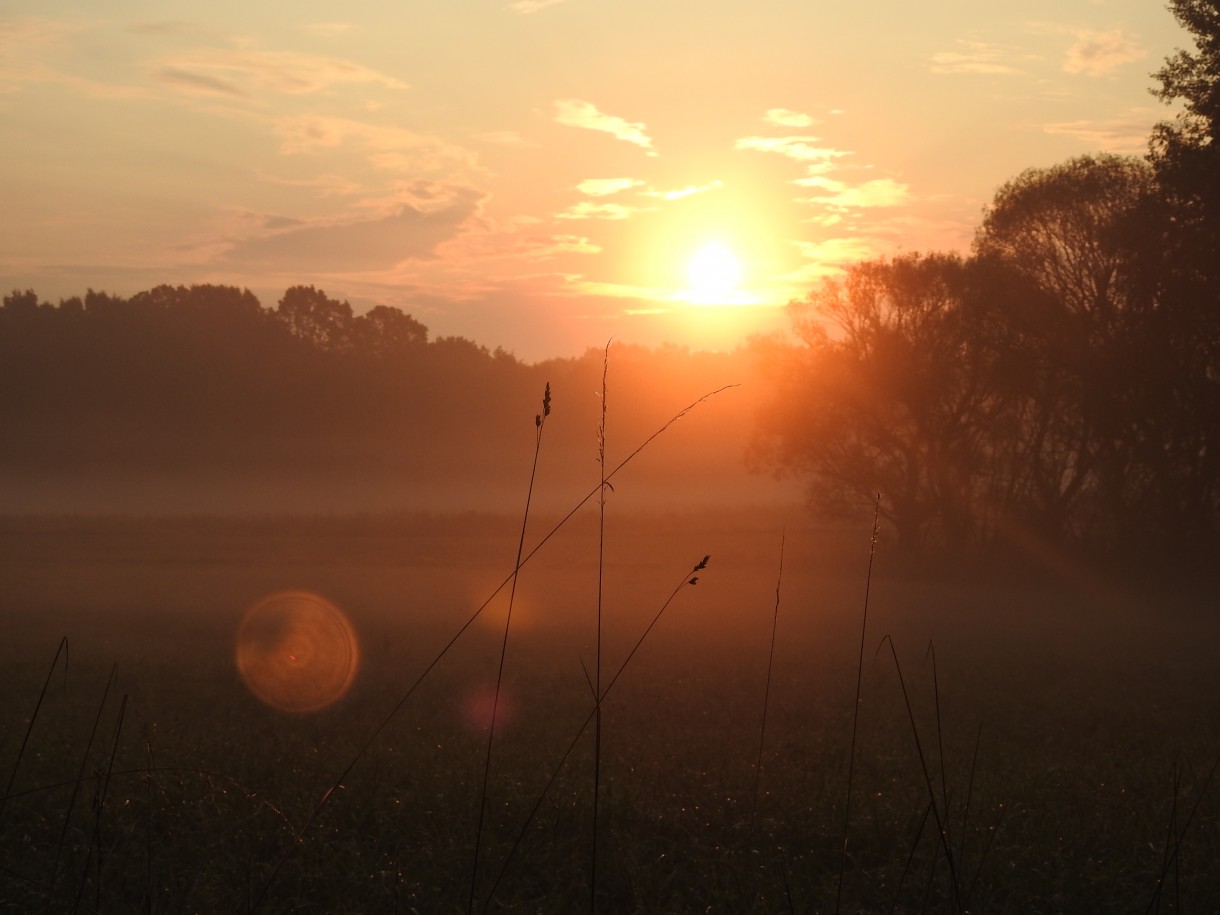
column 1067, row 736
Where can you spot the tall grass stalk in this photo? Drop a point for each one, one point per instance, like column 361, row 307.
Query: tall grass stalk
column 539, row 425
column 762, row 727
column 597, row 664
column 855, row 713
column 80, row 775
column 96, row 848
column 940, row 735
column 689, row 580
column 1177, row 836
column 25, row 741
column 303, row 830
column 941, row 828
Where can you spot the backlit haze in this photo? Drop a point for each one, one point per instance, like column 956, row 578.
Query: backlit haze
column 541, row 175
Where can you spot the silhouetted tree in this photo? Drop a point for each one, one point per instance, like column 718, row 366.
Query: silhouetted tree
column 313, row 316
column 1186, row 151
column 1078, row 244
column 1104, row 357
column 388, row 331
column 884, row 396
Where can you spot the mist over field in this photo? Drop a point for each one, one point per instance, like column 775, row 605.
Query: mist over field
column 893, row 587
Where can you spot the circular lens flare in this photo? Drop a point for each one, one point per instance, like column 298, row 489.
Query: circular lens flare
column 297, row 652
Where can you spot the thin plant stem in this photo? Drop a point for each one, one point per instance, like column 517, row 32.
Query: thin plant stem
column 95, row 846
column 539, row 425
column 961, row 842
column 906, row 865
column 12, row 778
column 927, row 777
column 1178, row 837
column 855, row 714
column 385, row 722
column 940, row 738
column 690, row 579
column 84, row 763
column 597, row 663
column 762, row 728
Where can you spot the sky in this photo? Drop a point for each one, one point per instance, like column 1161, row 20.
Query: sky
column 542, row 175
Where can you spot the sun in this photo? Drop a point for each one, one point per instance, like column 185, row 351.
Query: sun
column 713, row 273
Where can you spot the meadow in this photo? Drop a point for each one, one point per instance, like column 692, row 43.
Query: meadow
column 1060, row 725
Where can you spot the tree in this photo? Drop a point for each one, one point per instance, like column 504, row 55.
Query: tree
column 1186, row 155
column 1186, row 151
column 884, row 396
column 1103, row 365
column 388, row 331
column 313, row 316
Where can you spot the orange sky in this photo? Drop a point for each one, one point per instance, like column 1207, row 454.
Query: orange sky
column 539, row 174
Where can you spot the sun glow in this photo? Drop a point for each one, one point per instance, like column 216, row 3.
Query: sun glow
column 713, row 273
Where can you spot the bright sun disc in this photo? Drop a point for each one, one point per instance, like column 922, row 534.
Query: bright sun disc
column 713, row 270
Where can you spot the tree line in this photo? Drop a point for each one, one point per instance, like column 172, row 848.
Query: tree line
column 1060, row 384
column 204, row 383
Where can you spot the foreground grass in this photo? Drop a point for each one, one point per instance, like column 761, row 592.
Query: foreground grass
column 1078, row 724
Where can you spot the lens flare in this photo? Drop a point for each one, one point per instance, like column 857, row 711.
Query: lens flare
column 479, row 705
column 297, row 652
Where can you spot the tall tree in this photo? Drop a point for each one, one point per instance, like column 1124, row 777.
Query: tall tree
column 1102, row 366
column 884, row 396
column 1186, row 151
column 313, row 316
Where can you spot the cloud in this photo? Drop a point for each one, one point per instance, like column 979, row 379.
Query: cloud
column 242, row 71
column 689, row 191
column 387, row 147
column 27, row 44
column 880, row 192
column 361, row 245
column 197, row 82
column 829, row 257
column 783, row 117
column 531, row 6
column 803, row 149
column 1098, row 53
column 511, row 244
column 1127, row 135
column 977, row 57
column 504, row 138
column 604, row 187
column 327, row 29
column 587, row 209
column 576, row 113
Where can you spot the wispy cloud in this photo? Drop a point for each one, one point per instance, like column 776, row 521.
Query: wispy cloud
column 385, row 146
column 829, row 257
column 803, row 149
column 328, row 28
column 604, row 187
column 783, row 117
column 356, row 245
column 199, row 83
column 688, row 191
column 879, row 192
column 531, row 6
column 588, row 209
column 578, row 113
column 28, row 45
column 1127, row 134
column 1099, row 53
column 975, row 57
column 324, row 185
column 242, row 71
column 504, row 138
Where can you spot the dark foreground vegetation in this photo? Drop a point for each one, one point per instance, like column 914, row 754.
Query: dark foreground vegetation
column 1062, row 726
column 1057, row 389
